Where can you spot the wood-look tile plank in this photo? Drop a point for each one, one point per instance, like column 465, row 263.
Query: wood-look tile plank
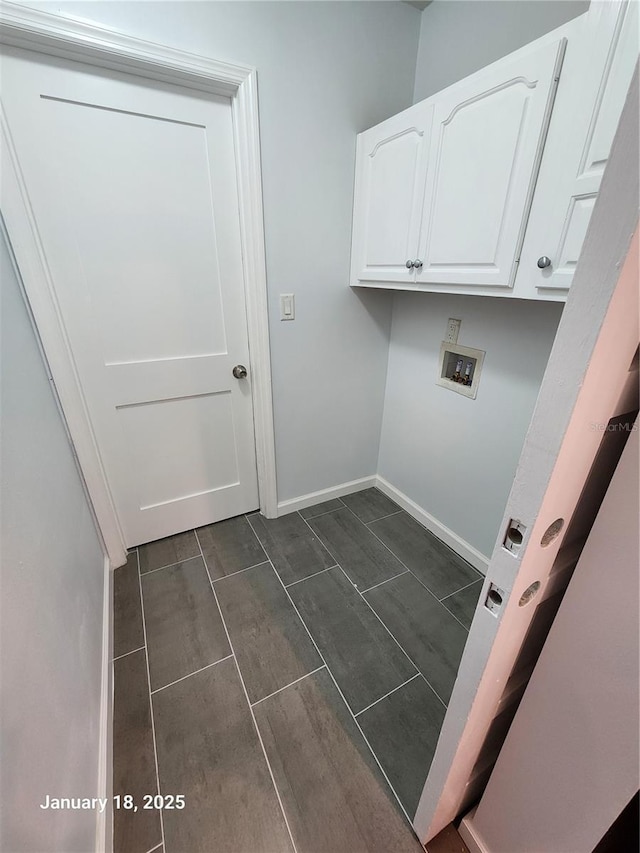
column 370, row 504
column 128, row 633
column 437, row 566
column 208, row 750
column 184, row 628
column 166, row 552
column 403, row 730
column 271, row 644
column 463, row 604
column 134, row 770
column 230, row 546
column 321, row 508
column 364, row 659
column 292, row 548
column 364, row 559
column 425, row 629
column 334, row 795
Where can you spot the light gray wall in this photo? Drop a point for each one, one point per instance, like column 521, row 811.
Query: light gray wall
column 456, row 457
column 457, row 37
column 326, row 71
column 51, row 575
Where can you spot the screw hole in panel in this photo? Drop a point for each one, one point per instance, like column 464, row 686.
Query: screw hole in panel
column 529, row 593
column 552, row 532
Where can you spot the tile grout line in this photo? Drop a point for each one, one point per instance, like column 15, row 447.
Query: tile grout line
column 293, row 583
column 320, row 514
column 376, row 585
column 326, row 512
column 395, row 640
column 455, row 553
column 189, row 674
column 417, row 675
column 336, row 685
column 409, row 658
column 124, row 655
column 466, row 586
column 244, row 688
column 170, row 565
column 481, row 576
column 443, row 703
column 153, row 725
column 280, row 689
column 373, row 520
column 233, row 574
column 434, row 596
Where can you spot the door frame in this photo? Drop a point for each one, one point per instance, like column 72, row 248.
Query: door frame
column 71, row 39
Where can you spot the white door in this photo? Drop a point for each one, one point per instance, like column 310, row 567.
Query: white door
column 391, row 164
column 132, row 186
column 488, row 134
column 580, row 140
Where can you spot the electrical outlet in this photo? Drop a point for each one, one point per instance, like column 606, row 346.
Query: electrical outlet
column 453, row 329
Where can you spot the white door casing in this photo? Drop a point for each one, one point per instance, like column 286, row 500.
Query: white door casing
column 162, row 376
column 488, row 135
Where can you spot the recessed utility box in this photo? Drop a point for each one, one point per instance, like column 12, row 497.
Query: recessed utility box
column 460, row 368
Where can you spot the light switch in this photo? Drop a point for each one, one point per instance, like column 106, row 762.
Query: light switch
column 287, row 306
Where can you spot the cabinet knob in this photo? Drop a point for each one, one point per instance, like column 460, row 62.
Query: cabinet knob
column 417, row 263
column 409, row 265
column 544, row 262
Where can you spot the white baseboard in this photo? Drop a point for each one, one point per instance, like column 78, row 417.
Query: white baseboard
column 470, row 836
column 104, row 820
column 294, row 504
column 455, row 542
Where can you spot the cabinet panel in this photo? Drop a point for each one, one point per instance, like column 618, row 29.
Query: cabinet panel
column 389, row 193
column 489, row 130
column 598, row 74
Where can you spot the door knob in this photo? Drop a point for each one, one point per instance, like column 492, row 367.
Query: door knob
column 417, row 264
column 409, row 265
column 240, row 371
column 544, row 262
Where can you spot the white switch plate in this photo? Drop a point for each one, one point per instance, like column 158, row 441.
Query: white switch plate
column 453, row 330
column 287, row 306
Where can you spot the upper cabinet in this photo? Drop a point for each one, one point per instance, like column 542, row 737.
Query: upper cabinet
column 392, row 168
column 595, row 80
column 486, row 145
column 487, row 187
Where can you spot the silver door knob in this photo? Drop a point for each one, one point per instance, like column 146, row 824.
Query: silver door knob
column 417, row 263
column 240, row 371
column 409, row 265
column 544, row 262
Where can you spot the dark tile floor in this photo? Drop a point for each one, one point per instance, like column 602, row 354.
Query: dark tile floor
column 287, row 677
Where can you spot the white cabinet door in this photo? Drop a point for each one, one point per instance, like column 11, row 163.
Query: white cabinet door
column 488, row 134
column 133, row 191
column 391, row 161
column 589, row 105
